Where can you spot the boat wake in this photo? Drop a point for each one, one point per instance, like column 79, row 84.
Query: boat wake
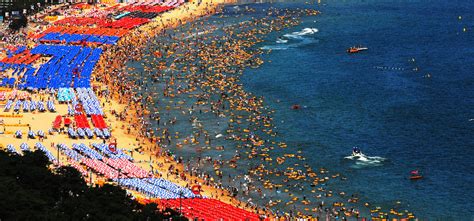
column 292, row 40
column 362, row 160
column 281, row 41
column 274, row 47
column 300, row 34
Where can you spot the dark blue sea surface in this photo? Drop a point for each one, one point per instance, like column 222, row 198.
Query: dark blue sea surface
column 409, row 98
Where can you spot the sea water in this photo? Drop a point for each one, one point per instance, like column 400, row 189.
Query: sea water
column 407, row 101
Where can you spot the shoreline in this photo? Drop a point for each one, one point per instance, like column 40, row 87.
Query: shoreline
column 111, row 64
column 137, row 107
column 187, row 12
column 157, row 156
column 127, row 115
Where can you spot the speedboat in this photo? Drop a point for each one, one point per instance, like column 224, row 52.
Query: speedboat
column 354, row 49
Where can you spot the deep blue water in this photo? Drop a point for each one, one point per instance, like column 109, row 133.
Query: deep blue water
column 376, row 101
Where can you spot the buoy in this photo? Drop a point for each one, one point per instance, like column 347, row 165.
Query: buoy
column 296, row 107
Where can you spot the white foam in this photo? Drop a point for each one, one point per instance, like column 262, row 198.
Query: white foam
column 274, row 47
column 299, row 34
column 281, row 41
column 366, row 161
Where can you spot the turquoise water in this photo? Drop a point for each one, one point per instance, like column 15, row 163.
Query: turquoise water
column 407, row 101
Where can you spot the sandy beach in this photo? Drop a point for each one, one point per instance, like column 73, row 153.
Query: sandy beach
column 126, row 140
column 126, row 116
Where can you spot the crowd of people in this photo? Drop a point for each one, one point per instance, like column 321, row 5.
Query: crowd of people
column 175, row 71
column 177, row 77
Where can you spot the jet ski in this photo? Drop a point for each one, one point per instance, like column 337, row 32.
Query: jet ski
column 356, row 152
column 364, row 160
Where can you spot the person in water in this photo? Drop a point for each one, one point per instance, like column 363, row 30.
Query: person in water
column 355, row 151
